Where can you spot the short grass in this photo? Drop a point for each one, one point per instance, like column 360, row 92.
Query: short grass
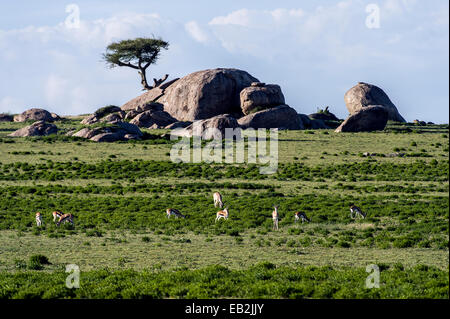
column 118, row 193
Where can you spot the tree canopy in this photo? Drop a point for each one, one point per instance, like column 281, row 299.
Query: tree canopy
column 138, row 54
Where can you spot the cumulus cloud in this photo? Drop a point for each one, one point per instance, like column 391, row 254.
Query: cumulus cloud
column 314, row 53
column 62, row 66
column 196, row 32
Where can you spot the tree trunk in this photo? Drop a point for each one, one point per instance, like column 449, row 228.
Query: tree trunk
column 144, row 80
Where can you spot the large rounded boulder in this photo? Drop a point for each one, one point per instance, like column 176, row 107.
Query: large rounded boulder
column 205, row 94
column 282, row 117
column 39, row 128
column 35, row 114
column 260, row 96
column 368, row 119
column 363, row 95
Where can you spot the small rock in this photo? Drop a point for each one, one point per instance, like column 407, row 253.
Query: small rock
column 39, row 128
column 107, row 137
column 6, row 118
column 149, row 118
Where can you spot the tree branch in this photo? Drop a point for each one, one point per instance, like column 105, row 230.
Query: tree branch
column 157, row 83
column 119, row 63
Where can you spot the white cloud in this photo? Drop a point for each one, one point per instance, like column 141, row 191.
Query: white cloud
column 196, row 32
column 62, row 67
column 314, row 54
column 240, row 17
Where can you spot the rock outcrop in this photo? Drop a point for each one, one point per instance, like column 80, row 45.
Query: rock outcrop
column 363, row 95
column 148, row 119
column 108, row 137
column 148, row 97
column 260, row 96
column 209, row 127
column 152, row 106
column 35, row 114
column 368, row 119
column 39, row 128
column 87, row 132
column 205, row 94
column 113, row 118
column 324, row 115
column 108, row 114
column 281, row 117
column 117, row 132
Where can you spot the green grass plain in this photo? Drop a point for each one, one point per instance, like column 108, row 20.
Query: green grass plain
column 118, row 193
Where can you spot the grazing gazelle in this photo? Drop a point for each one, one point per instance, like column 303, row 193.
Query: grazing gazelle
column 218, row 200
column 357, row 211
column 38, row 219
column 174, row 212
column 56, row 215
column 275, row 217
column 222, row 214
column 302, row 216
column 64, row 219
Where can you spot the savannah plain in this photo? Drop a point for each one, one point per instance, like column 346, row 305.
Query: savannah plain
column 126, row 247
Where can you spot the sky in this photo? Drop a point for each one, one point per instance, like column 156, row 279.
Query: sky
column 315, row 50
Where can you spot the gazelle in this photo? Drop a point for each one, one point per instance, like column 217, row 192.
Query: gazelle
column 56, row 215
column 222, row 214
column 64, row 219
column 174, row 212
column 275, row 217
column 218, row 200
column 38, row 219
column 357, row 211
column 302, row 216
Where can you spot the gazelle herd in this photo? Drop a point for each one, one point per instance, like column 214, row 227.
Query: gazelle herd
column 59, row 217
column 218, row 202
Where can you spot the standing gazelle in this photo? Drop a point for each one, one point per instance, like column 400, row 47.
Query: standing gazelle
column 174, row 212
column 218, row 200
column 222, row 214
column 38, row 219
column 64, row 219
column 302, row 216
column 357, row 211
column 275, row 217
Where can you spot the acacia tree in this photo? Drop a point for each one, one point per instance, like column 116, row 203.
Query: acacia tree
column 137, row 54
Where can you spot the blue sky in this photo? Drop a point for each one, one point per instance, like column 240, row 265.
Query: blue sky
column 316, row 50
